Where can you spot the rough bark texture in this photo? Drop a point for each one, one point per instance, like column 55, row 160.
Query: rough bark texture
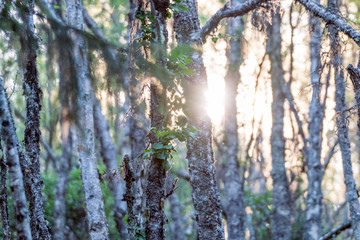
column 355, row 79
column 343, row 135
column 133, row 218
column 178, row 230
column 155, row 188
column 155, row 184
column 85, row 127
column 234, row 206
column 3, row 197
column 316, row 115
column 200, row 157
column 226, row 12
column 331, row 17
column 32, row 134
column 281, row 195
column 10, row 140
column 108, row 153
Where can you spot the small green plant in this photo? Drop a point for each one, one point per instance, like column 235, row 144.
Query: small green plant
column 165, row 146
column 147, row 24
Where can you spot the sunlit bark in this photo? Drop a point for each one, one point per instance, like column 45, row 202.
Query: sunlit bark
column 313, row 157
column 10, row 140
column 281, row 195
column 85, row 127
column 234, row 206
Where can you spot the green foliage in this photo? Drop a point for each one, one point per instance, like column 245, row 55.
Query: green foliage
column 260, row 205
column 175, row 7
column 147, row 24
column 164, row 148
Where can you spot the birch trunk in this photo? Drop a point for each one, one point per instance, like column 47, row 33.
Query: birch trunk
column 3, row 196
column 281, row 195
column 32, row 134
column 85, row 123
column 343, row 135
column 205, row 194
column 108, row 153
column 10, row 140
column 234, row 206
column 316, row 115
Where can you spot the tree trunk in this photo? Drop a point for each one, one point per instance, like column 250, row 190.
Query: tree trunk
column 85, row 127
column 234, row 206
column 10, row 140
column 32, row 134
column 281, row 195
column 316, row 115
column 178, row 229
column 108, row 153
column 343, row 135
column 3, row 197
column 205, row 194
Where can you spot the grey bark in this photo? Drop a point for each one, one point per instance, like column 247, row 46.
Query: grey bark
column 316, row 116
column 155, row 188
column 331, row 17
column 10, row 140
column 85, row 126
column 343, row 135
column 176, row 211
column 200, row 157
column 155, row 184
column 3, row 197
column 133, row 218
column 108, row 153
column 281, row 196
column 32, row 134
column 234, row 206
column 336, row 231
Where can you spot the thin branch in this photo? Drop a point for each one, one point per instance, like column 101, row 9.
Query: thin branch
column 331, row 18
column 336, row 231
column 329, row 156
column 227, row 12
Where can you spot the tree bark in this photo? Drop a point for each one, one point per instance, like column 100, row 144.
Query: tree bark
column 281, row 195
column 32, row 134
column 9, row 137
column 343, row 135
column 108, row 153
column 85, row 127
column 234, row 206
column 316, row 115
column 205, row 194
column 3, row 197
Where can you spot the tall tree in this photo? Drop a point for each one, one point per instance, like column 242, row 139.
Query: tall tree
column 33, row 93
column 281, row 195
column 234, row 206
column 343, row 135
column 200, row 155
column 3, row 196
column 10, row 140
column 85, row 125
column 313, row 155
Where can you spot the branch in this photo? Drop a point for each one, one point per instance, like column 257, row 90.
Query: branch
column 329, row 156
column 331, row 18
column 336, row 231
column 227, row 12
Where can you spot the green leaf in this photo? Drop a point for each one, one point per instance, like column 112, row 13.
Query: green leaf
column 166, row 165
column 184, row 8
column 125, row 219
column 187, row 60
column 188, row 71
column 214, row 39
column 158, row 146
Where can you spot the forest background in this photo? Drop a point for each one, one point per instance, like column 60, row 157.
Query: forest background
column 127, row 120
